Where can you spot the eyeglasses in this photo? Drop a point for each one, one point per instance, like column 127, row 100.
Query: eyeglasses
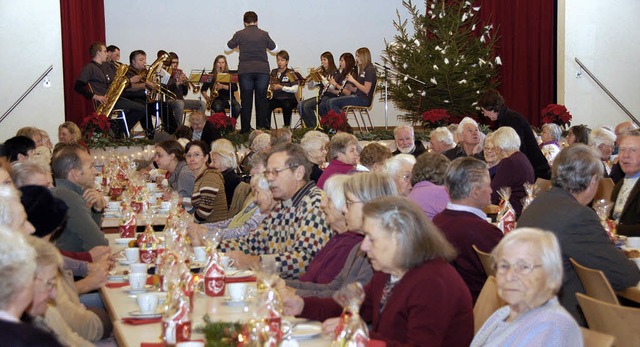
column 406, row 177
column 520, row 268
column 49, row 284
column 194, row 155
column 351, row 202
column 276, row 172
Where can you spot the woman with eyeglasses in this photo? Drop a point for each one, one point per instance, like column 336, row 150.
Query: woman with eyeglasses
column 209, row 199
column 399, row 168
column 528, row 267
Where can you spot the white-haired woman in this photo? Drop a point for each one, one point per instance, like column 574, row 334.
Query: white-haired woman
column 223, row 160
column 513, row 170
column 604, row 141
column 441, row 140
column 550, row 145
column 343, row 150
column 490, row 155
column 314, row 144
column 399, row 168
column 528, row 267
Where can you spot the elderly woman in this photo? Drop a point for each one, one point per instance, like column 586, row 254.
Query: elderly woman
column 416, row 297
column 441, row 140
column 314, row 144
column 373, row 156
column 529, row 274
column 209, row 200
column 69, row 132
column 604, row 141
column 170, row 157
column 578, row 134
column 260, row 143
column 427, row 178
column 223, row 160
column 490, row 156
column 343, row 150
column 26, row 173
column 513, row 170
column 550, row 145
column 18, row 271
column 399, row 168
column 12, row 214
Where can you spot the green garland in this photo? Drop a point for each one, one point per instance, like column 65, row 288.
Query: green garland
column 220, row 334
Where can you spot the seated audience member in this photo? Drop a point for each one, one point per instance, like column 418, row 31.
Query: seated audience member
column 427, row 177
column 5, row 177
column 202, row 129
column 209, row 200
column 343, row 151
column 328, row 262
column 282, row 135
column 32, row 133
column 399, row 169
column 604, row 140
column 19, row 148
column 550, row 146
column 493, row 107
column 183, row 134
column 18, row 269
column 578, row 134
column 26, row 173
column 468, row 139
column 373, row 157
column 616, row 172
column 490, row 155
column 46, row 140
column 314, row 144
column 244, row 164
column 223, row 160
column 296, row 229
column 358, row 189
column 513, row 170
column 69, row 132
column 563, row 211
column 406, row 143
column 12, row 214
column 441, row 140
column 170, row 157
column 75, row 173
column 42, row 153
column 626, row 194
column 410, row 255
column 528, row 275
column 464, row 223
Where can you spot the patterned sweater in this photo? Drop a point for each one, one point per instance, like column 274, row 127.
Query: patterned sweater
column 209, row 199
column 291, row 235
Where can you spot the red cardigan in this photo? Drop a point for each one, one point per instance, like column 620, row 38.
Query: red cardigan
column 430, row 306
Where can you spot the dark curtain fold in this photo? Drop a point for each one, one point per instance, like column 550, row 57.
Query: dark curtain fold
column 82, row 24
column 527, row 49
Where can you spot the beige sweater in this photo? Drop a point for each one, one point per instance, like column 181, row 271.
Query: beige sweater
column 82, row 321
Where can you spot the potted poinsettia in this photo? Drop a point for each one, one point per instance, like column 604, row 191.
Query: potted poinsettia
column 558, row 114
column 223, row 123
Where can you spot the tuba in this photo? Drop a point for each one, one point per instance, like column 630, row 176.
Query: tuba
column 119, row 83
column 151, row 77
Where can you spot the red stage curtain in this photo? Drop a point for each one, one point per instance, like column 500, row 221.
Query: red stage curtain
column 82, row 24
column 527, row 49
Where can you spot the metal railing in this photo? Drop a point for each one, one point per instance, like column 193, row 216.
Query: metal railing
column 24, row 95
column 595, row 79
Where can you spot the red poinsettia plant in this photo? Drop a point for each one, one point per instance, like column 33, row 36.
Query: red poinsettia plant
column 435, row 118
column 95, row 124
column 334, row 122
column 558, row 114
column 222, row 122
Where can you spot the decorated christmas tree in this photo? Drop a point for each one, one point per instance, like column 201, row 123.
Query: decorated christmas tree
column 451, row 50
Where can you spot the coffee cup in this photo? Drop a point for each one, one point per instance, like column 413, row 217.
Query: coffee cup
column 139, row 268
column 137, row 281
column 148, row 302
column 200, row 254
column 226, row 261
column 132, row 254
column 165, row 205
column 237, row 291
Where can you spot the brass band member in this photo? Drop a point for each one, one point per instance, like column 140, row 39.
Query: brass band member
column 221, row 102
column 178, row 84
column 364, row 81
column 338, row 85
column 284, row 89
column 307, row 107
column 113, row 57
column 98, row 77
column 137, row 74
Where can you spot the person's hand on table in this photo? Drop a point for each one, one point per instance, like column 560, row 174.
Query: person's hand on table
column 329, row 326
column 293, row 304
column 94, row 199
column 196, row 232
column 96, row 277
column 100, row 252
column 243, row 261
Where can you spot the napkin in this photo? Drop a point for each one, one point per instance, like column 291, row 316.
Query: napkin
column 139, row 321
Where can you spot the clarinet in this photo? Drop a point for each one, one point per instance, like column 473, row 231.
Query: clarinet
column 344, row 83
column 324, row 91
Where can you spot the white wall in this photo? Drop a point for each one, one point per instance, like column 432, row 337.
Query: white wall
column 31, row 41
column 198, row 30
column 604, row 36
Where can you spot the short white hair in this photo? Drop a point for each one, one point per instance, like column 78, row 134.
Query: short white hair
column 227, row 151
column 9, row 203
column 392, row 165
column 506, row 139
column 261, row 142
column 442, row 134
column 556, row 131
column 463, row 122
column 402, row 127
column 314, row 140
column 334, row 188
column 602, row 136
column 17, row 265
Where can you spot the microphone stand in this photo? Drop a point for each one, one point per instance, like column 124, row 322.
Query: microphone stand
column 396, row 73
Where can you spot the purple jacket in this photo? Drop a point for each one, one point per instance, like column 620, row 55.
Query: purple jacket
column 335, row 167
column 327, row 263
column 432, row 198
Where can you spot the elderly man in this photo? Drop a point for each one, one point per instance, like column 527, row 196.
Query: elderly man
column 441, row 140
column 202, row 129
column 493, row 107
column 406, row 142
column 469, row 137
column 75, row 174
column 464, row 223
column 296, row 230
column 616, row 173
column 626, row 194
column 563, row 210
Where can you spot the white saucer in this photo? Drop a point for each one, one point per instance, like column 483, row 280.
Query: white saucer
column 125, row 241
column 138, row 314
column 126, row 262
column 306, row 331
column 146, row 288
column 238, row 273
column 229, row 302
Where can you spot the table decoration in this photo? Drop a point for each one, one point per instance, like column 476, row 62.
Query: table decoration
column 351, row 330
column 506, row 214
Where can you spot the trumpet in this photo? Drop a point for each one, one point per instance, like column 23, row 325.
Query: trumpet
column 179, row 75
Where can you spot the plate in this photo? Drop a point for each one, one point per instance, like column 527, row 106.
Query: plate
column 146, row 288
column 229, row 302
column 306, row 331
column 138, row 314
column 238, row 273
column 126, row 262
column 125, row 241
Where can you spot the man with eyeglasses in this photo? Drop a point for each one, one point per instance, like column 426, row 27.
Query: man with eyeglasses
column 464, row 223
column 563, row 211
column 296, row 229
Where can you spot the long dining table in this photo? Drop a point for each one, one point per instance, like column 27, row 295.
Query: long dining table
column 120, row 304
